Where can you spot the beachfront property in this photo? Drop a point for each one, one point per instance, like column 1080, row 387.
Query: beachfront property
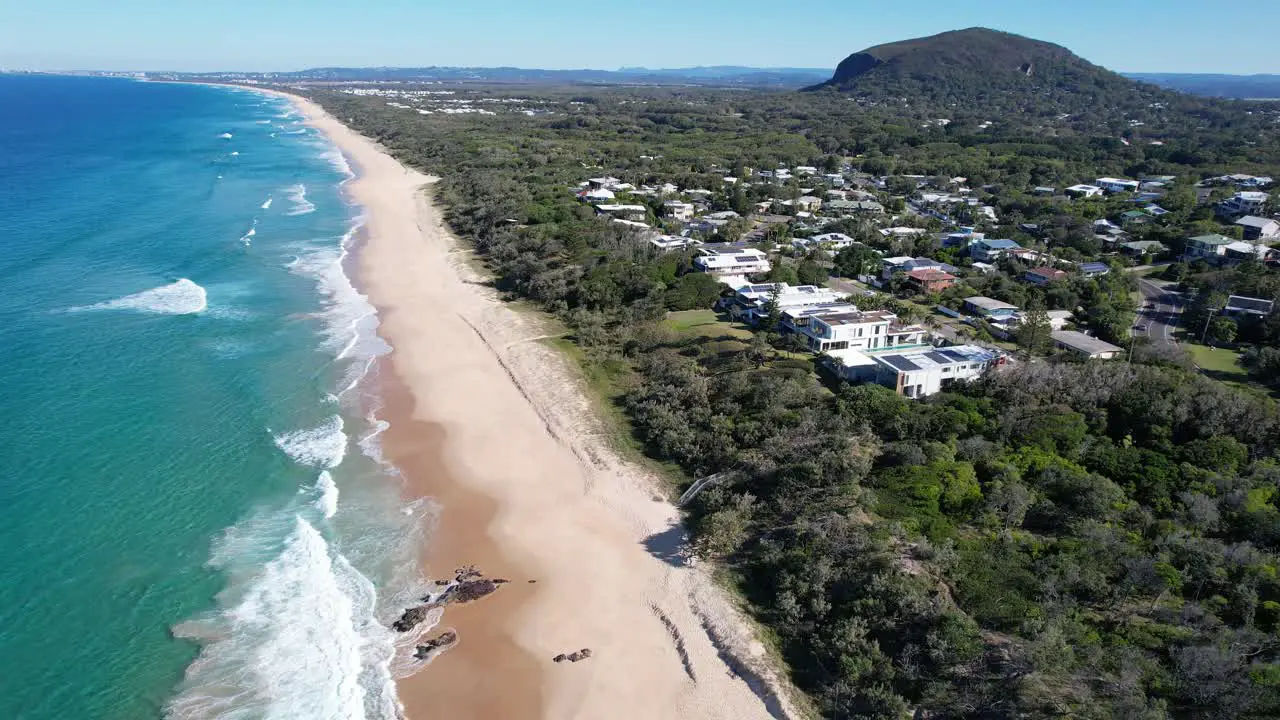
column 986, row 250
column 751, row 302
column 1086, row 346
column 1241, row 306
column 915, row 372
column 871, row 330
column 990, row 308
column 1084, row 191
column 1258, row 228
column 1042, row 276
column 723, row 260
column 1116, row 185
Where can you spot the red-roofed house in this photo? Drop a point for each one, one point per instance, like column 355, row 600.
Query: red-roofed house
column 1043, row 276
column 931, row 280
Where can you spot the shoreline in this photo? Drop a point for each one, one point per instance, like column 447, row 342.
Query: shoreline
column 496, row 428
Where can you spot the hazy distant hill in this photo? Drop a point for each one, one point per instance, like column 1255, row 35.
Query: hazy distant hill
column 1213, row 85
column 705, row 76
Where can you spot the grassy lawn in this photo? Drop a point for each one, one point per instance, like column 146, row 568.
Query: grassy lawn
column 1221, row 364
column 705, row 323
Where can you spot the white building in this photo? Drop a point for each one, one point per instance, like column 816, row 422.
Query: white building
column 872, row 330
column 732, row 261
column 1244, row 203
column 1084, row 191
column 751, row 302
column 1115, row 185
column 834, row 242
column 667, row 243
column 677, row 210
column 1256, row 228
column 917, row 372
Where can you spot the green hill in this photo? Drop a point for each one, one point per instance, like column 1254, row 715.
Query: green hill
column 966, row 64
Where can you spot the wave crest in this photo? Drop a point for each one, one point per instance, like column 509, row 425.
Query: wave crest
column 324, row 446
column 183, row 297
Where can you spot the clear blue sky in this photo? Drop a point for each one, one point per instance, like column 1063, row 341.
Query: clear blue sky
column 1170, row 36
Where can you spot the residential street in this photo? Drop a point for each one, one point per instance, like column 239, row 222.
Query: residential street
column 1160, row 320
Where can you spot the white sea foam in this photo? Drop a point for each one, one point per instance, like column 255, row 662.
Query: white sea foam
column 225, row 136
column 298, row 196
column 323, row 446
column 295, row 637
column 235, row 153
column 183, row 297
column 338, row 161
column 267, row 204
column 247, row 238
column 264, row 122
column 328, row 500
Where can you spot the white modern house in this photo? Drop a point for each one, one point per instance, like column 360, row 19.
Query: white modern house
column 834, row 242
column 667, row 243
column 1084, row 191
column 732, row 261
column 751, row 302
column 872, row 330
column 678, row 210
column 916, row 372
column 1115, row 185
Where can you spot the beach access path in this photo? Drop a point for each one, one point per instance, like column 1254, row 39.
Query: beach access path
column 498, row 428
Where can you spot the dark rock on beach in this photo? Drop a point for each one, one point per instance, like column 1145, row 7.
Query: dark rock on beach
column 441, row 642
column 411, row 618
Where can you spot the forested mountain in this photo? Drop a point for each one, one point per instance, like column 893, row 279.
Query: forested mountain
column 964, row 65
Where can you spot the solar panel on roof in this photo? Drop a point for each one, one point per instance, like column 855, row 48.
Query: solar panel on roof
column 902, row 363
column 938, row 357
column 952, row 354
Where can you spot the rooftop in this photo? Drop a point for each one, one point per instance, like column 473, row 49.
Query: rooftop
column 986, row 303
column 925, row 358
column 1084, row 343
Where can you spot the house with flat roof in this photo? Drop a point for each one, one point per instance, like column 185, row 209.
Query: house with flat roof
column 1084, row 191
column 871, row 330
column 731, row 261
column 750, row 302
column 1042, row 276
column 1115, row 185
column 667, row 243
column 930, row 280
column 989, row 308
column 833, row 242
column 1259, row 228
column 678, row 210
column 1086, row 346
column 1241, row 306
column 916, row 372
column 986, row 250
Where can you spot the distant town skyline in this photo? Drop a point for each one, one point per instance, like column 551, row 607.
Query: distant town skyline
column 237, row 35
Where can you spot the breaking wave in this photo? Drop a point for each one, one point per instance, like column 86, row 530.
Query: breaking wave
column 267, row 204
column 183, row 297
column 324, row 446
column 298, row 196
column 225, row 136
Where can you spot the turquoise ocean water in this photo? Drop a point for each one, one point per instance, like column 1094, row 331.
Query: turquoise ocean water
column 193, row 512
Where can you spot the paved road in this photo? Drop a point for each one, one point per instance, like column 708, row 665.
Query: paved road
column 1158, row 321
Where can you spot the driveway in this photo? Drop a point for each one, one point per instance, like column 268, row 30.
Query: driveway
column 1162, row 318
